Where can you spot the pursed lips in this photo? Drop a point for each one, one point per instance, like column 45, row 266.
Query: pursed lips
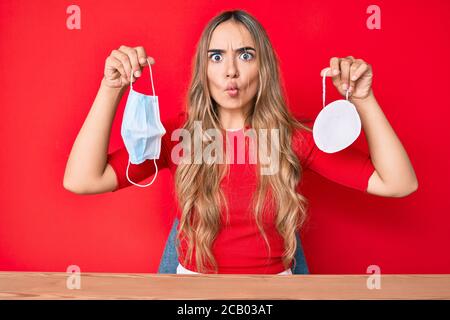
column 232, row 90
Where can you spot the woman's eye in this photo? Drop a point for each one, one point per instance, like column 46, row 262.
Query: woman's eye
column 248, row 55
column 215, row 55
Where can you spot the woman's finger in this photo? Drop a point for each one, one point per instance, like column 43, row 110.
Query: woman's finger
column 142, row 55
column 353, row 69
column 345, row 72
column 327, row 70
column 334, row 65
column 359, row 71
column 134, row 60
column 114, row 68
column 123, row 58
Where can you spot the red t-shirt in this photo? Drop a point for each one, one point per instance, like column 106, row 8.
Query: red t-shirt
column 239, row 248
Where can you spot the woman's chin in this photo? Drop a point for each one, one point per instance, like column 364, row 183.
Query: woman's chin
column 231, row 106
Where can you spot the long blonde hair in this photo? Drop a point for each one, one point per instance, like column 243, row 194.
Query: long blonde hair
column 200, row 197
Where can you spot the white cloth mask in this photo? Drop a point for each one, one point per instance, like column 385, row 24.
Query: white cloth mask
column 337, row 125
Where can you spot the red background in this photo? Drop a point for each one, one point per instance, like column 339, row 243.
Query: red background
column 50, row 76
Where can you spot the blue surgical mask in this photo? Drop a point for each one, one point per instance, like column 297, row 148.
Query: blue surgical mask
column 142, row 128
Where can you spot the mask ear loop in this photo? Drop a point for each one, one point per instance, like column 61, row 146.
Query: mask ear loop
column 143, row 185
column 154, row 160
column 151, row 77
column 323, row 87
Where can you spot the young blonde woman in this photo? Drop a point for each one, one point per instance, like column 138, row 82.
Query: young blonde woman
column 231, row 218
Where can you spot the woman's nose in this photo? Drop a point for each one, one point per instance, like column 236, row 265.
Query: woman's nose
column 232, row 70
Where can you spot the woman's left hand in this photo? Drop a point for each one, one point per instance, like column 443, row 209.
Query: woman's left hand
column 352, row 72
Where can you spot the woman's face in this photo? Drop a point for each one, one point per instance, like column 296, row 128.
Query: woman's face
column 230, row 65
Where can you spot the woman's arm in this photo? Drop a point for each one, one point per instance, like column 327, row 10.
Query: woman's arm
column 87, row 159
column 394, row 175
column 87, row 171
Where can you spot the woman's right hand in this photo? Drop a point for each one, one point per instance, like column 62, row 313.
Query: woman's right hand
column 121, row 63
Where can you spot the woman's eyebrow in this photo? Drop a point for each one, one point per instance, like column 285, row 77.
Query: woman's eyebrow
column 237, row 50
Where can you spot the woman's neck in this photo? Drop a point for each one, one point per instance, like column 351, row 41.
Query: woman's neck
column 232, row 119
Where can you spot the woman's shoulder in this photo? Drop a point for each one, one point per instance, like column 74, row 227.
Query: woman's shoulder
column 175, row 121
column 302, row 129
column 302, row 140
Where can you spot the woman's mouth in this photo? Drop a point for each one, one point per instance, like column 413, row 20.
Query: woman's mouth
column 232, row 92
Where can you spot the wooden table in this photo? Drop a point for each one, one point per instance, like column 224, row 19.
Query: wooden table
column 52, row 285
